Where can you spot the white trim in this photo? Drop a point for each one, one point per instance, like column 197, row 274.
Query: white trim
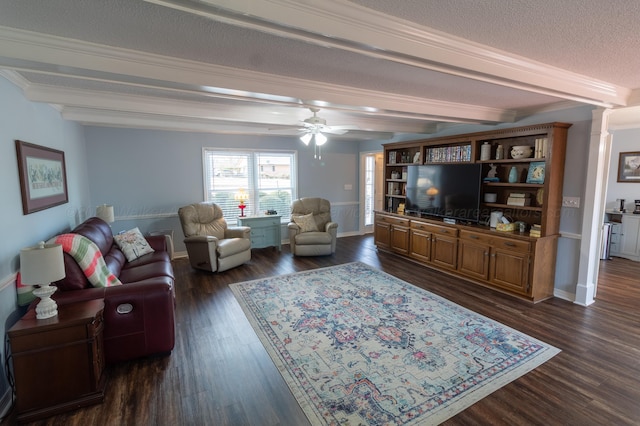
column 570, row 235
column 8, row 281
column 561, row 294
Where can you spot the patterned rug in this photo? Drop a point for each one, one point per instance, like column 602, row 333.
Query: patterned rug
column 360, row 347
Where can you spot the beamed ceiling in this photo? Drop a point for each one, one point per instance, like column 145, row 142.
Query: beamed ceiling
column 385, row 68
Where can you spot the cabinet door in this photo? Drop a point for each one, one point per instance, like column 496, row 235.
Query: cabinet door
column 381, row 234
column 399, row 240
column 473, row 259
column 510, row 270
column 629, row 236
column 616, row 230
column 420, row 242
column 444, row 251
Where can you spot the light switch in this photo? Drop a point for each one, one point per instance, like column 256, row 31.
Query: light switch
column 348, row 187
column 573, row 202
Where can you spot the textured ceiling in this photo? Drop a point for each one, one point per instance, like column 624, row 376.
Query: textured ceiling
column 255, row 66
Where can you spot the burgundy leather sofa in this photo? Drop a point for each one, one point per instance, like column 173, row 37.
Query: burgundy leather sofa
column 138, row 315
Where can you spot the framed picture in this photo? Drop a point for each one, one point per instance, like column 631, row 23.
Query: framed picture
column 536, row 172
column 629, row 167
column 43, row 177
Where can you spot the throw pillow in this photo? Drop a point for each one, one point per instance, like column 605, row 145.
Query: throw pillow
column 133, row 244
column 306, row 223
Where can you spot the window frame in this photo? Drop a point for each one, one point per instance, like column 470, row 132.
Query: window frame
column 254, row 180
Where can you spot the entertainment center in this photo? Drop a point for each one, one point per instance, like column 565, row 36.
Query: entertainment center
column 441, row 193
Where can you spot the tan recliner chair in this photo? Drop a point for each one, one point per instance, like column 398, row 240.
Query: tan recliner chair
column 311, row 231
column 211, row 244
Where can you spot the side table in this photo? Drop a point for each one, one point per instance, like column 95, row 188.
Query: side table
column 58, row 362
column 265, row 230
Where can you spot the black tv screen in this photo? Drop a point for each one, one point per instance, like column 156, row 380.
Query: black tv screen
column 444, row 190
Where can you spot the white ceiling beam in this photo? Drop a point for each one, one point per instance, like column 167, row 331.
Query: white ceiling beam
column 346, row 25
column 28, row 51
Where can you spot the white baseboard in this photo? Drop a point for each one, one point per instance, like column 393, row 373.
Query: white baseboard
column 561, row 294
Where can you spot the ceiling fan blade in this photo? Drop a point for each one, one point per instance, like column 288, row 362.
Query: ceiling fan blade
column 334, row 131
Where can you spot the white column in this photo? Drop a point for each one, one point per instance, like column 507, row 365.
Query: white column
column 594, row 204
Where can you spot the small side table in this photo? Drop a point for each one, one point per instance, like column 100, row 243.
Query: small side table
column 58, row 362
column 265, row 230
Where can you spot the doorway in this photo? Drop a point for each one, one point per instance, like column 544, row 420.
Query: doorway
column 371, row 195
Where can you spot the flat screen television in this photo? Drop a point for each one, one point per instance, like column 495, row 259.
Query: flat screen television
column 444, row 190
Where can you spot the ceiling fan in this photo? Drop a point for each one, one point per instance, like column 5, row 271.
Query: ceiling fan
column 314, row 128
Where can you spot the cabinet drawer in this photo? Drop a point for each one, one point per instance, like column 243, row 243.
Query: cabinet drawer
column 440, row 230
column 476, row 236
column 508, row 244
column 394, row 220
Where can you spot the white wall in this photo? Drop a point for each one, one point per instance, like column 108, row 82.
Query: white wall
column 41, row 125
column 627, row 140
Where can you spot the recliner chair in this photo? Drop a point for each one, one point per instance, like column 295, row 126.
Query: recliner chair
column 311, row 231
column 211, row 244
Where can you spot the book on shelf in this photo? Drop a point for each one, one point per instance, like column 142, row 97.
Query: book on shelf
column 536, row 230
column 540, row 148
column 519, row 195
column 519, row 201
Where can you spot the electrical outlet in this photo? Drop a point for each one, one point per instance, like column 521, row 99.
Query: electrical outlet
column 573, row 202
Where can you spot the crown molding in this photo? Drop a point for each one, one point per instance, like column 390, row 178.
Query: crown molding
column 345, row 25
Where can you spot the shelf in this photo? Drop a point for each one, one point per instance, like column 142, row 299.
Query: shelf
column 509, row 206
column 515, row 185
column 511, row 160
column 396, row 196
column 397, row 180
column 449, row 162
column 402, row 164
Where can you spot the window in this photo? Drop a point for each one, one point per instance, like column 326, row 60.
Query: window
column 268, row 177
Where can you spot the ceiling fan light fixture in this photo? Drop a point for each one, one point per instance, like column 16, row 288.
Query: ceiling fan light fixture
column 320, row 139
column 306, row 138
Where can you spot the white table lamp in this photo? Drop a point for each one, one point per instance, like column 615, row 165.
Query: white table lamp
column 105, row 212
column 41, row 265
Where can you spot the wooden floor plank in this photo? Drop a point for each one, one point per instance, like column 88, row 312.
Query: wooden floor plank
column 220, row 374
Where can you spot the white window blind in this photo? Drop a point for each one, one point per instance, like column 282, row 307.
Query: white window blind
column 268, row 177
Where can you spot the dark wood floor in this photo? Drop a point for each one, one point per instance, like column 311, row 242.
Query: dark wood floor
column 219, row 373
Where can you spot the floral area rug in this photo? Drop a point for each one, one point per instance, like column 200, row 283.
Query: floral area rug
column 357, row 346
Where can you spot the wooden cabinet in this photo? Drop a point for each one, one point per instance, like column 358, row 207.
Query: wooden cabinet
column 522, row 264
column 444, row 247
column 539, row 176
column 58, row 362
column 420, row 241
column 509, row 265
column 393, row 232
column 473, row 254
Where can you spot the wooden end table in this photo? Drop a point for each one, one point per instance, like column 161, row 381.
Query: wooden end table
column 58, row 362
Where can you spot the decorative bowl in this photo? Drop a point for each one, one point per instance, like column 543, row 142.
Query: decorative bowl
column 521, row 151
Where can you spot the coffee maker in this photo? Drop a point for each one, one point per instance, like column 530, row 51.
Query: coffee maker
column 637, row 209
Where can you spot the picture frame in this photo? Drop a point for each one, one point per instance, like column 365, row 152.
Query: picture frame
column 629, row 167
column 43, row 177
column 536, row 172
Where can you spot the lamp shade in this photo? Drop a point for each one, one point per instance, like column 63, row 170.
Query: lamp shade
column 105, row 212
column 42, row 264
column 306, row 138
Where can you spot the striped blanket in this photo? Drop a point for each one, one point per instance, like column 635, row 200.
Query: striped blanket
column 88, row 257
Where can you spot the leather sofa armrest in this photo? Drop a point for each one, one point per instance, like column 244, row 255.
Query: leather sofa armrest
column 157, row 242
column 142, row 311
column 238, row 232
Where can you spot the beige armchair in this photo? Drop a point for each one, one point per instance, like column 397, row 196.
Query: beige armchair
column 311, row 231
column 211, row 244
